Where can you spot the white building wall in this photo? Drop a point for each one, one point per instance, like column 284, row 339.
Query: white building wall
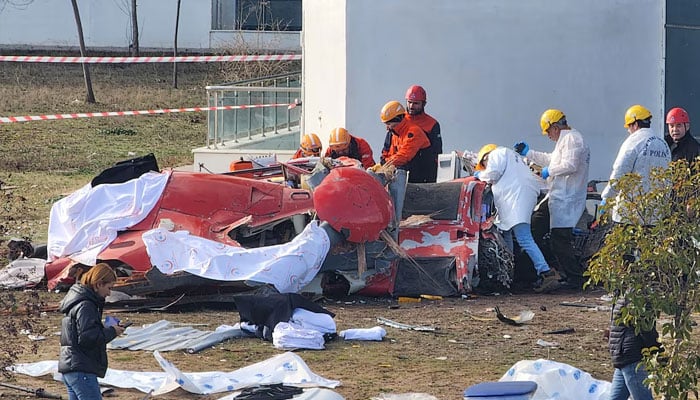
column 490, row 67
column 325, row 94
column 47, row 23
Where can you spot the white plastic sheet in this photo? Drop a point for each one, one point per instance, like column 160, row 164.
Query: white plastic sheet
column 288, row 267
column 558, row 381
column 86, row 222
column 25, row 272
column 287, row 368
column 287, row 336
column 167, row 336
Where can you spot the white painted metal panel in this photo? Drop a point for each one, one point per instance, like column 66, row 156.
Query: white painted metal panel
column 490, row 67
column 324, row 33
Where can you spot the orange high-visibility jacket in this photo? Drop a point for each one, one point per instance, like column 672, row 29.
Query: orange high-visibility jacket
column 359, row 150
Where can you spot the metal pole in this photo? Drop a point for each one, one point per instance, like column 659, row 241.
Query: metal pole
column 275, row 109
column 250, row 118
column 235, row 118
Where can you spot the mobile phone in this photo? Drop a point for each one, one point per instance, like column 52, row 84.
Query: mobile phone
column 126, row 324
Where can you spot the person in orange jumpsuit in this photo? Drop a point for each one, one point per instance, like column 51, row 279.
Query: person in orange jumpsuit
column 409, row 148
column 342, row 143
column 310, row 146
column 415, row 107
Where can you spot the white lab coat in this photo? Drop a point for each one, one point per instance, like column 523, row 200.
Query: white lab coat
column 568, row 178
column 642, row 151
column 515, row 188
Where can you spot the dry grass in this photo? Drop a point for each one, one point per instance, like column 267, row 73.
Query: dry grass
column 47, row 159
column 464, row 351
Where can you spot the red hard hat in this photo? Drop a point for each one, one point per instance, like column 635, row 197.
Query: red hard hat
column 677, row 116
column 415, row 93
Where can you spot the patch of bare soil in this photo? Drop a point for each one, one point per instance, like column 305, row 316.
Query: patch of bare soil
column 470, row 345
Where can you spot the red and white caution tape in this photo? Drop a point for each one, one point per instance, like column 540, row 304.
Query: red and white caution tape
column 6, row 120
column 130, row 60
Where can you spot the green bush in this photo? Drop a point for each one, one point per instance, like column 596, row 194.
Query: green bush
column 657, row 266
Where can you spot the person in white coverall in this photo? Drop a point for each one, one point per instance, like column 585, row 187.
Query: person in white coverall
column 642, row 151
column 515, row 190
column 566, row 172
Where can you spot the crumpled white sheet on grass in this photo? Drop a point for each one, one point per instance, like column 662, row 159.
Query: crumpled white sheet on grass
column 287, row 368
column 557, row 380
column 289, row 266
column 165, row 336
column 86, row 222
column 21, row 273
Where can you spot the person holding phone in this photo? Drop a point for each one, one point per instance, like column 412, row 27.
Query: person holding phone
column 84, row 338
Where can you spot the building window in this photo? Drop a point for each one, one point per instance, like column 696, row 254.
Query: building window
column 256, row 15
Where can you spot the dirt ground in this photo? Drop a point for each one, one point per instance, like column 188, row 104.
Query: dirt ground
column 470, row 345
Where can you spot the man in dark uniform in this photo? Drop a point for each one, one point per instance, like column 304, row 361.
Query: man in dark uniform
column 682, row 144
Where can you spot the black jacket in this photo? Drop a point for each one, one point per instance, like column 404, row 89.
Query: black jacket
column 687, row 148
column 626, row 347
column 83, row 337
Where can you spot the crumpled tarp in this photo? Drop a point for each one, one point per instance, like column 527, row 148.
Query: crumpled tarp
column 168, row 336
column 287, row 368
column 289, row 266
column 86, row 222
column 557, row 380
column 22, row 273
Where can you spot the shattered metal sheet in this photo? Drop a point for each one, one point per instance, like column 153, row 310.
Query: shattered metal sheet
column 168, row 336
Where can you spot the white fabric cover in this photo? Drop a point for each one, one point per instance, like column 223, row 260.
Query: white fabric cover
column 287, row 368
column 557, row 381
column 568, row 177
column 377, row 333
column 289, row 266
column 86, row 222
column 22, row 273
column 515, row 188
column 640, row 153
column 290, row 336
column 321, row 322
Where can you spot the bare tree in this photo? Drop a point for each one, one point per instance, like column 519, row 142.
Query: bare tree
column 177, row 26
column 90, row 98
column 134, row 30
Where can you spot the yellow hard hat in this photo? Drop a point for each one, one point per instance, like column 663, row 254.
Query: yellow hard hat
column 636, row 113
column 310, row 145
column 482, row 153
column 549, row 117
column 340, row 137
column 391, row 110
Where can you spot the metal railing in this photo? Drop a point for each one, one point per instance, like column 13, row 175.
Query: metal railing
column 238, row 124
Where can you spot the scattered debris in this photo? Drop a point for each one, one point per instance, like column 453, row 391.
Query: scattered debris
column 399, row 325
column 168, row 336
column 525, row 316
column 577, row 304
column 404, row 299
column 478, row 318
column 545, row 343
column 560, row 331
column 40, row 392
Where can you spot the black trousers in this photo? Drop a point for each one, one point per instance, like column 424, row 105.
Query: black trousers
column 558, row 249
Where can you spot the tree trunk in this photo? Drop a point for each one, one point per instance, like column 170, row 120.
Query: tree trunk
column 177, row 25
column 134, row 30
column 90, row 97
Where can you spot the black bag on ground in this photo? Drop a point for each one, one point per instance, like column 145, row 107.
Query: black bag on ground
column 126, row 170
